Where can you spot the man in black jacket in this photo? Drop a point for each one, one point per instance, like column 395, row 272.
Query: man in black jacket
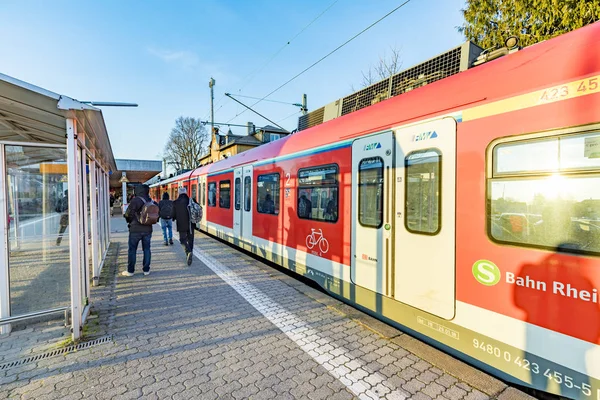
column 181, row 214
column 166, row 213
column 137, row 231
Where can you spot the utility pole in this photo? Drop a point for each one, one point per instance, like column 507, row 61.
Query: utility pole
column 211, row 85
column 304, row 106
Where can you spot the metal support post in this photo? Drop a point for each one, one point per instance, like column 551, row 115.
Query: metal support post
column 124, row 189
column 95, row 221
column 4, row 229
column 74, row 228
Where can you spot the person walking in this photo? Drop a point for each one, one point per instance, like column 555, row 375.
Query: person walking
column 185, row 227
column 165, row 207
column 141, row 214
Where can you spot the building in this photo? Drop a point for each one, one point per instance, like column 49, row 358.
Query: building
column 224, row 146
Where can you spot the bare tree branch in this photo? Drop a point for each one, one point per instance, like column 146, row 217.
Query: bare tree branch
column 385, row 67
column 185, row 144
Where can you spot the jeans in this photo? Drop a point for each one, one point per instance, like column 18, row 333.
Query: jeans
column 167, row 224
column 187, row 240
column 134, row 240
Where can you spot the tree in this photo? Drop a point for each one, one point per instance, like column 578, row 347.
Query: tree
column 385, row 67
column 186, row 143
column 488, row 23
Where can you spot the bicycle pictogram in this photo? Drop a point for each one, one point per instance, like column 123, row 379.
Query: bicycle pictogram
column 316, row 238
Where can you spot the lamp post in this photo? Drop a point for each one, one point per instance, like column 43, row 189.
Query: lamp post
column 211, row 85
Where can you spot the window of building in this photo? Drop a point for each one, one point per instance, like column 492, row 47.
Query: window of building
column 370, row 192
column 225, row 194
column 318, row 193
column 268, row 194
column 273, row 137
column 237, row 193
column 423, row 191
column 212, row 194
column 194, row 191
column 247, row 193
column 546, row 193
column 203, row 193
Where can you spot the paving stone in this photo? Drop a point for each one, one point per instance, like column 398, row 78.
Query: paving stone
column 183, row 332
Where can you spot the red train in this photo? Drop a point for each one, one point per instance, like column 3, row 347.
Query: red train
column 465, row 212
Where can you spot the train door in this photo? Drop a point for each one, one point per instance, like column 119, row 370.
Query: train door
column 237, row 201
column 372, row 162
column 424, row 226
column 247, row 184
column 202, row 200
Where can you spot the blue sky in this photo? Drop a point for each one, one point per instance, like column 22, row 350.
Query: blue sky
column 161, row 55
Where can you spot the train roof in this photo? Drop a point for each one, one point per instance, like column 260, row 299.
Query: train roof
column 544, row 64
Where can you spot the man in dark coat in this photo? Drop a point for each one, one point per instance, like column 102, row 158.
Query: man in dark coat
column 166, row 212
column 137, row 231
column 181, row 214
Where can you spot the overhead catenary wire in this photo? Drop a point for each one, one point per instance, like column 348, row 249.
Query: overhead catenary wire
column 251, row 76
column 327, row 55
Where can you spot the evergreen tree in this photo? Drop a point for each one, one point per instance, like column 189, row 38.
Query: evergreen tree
column 488, row 23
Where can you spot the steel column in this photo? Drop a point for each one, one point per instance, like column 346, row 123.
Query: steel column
column 4, row 229
column 95, row 221
column 74, row 228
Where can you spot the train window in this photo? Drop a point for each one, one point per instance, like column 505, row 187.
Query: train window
column 549, row 209
column 318, row 193
column 225, row 194
column 370, row 192
column 194, row 191
column 268, row 194
column 237, row 193
column 203, row 193
column 212, row 194
column 423, row 191
column 247, row 193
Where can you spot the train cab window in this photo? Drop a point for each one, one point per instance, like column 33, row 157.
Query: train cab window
column 318, row 193
column 268, row 194
column 370, row 192
column 212, row 194
column 194, row 191
column 237, row 193
column 552, row 203
column 247, row 193
column 203, row 193
column 423, row 191
column 225, row 194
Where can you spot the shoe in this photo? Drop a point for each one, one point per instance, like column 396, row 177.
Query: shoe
column 166, row 243
column 189, row 258
column 170, row 241
column 146, row 273
column 127, row 273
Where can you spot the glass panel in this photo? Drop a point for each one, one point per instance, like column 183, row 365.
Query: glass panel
column 38, row 228
column 317, row 193
column 225, row 194
column 194, row 191
column 423, row 191
column 268, row 194
column 247, row 193
column 237, row 193
column 203, row 193
column 547, row 212
column 370, row 192
column 580, row 152
column 534, row 156
column 212, row 194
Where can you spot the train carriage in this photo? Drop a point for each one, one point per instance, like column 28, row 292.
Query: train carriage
column 465, row 212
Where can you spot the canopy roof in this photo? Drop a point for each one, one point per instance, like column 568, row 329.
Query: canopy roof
column 29, row 113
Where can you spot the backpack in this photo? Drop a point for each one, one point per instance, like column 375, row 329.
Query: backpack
column 166, row 209
column 195, row 212
column 149, row 213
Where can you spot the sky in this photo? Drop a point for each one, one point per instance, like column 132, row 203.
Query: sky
column 162, row 54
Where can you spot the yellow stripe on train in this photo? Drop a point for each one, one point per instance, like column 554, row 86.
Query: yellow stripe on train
column 553, row 94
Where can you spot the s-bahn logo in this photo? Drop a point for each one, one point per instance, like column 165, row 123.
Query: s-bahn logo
column 425, row 136
column 372, row 146
column 486, row 272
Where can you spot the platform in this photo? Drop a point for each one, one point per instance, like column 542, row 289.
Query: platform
column 230, row 327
